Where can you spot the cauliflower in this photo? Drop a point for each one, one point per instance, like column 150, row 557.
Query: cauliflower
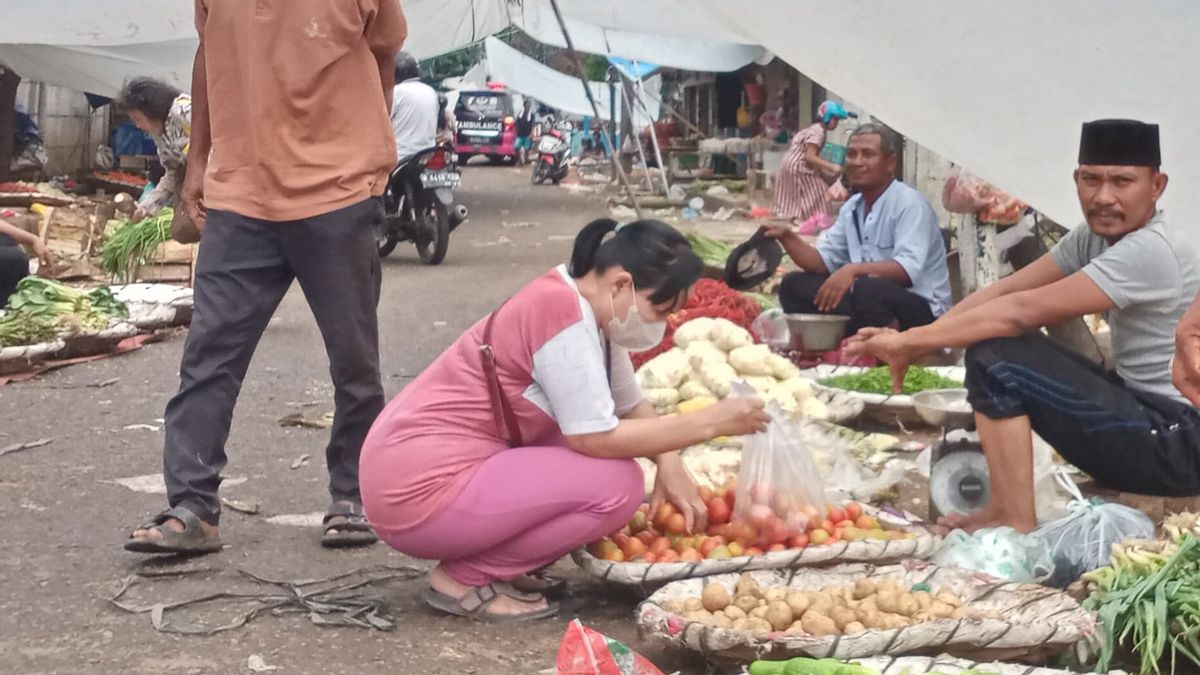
column 814, row 408
column 782, row 367
column 799, row 387
column 729, row 336
column 703, row 350
column 661, row 398
column 782, row 398
column 760, row 383
column 691, row 389
column 696, row 330
column 718, row 377
column 752, row 360
column 665, row 371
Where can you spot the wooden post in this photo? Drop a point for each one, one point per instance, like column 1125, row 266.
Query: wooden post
column 978, row 255
column 8, row 117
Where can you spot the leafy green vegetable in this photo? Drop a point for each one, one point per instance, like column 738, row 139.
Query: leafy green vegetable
column 879, row 381
column 130, row 246
column 41, row 308
column 711, row 251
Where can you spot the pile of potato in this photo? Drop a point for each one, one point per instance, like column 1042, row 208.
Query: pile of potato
column 835, row 610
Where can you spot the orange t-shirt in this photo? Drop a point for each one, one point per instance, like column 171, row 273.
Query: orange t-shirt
column 300, row 125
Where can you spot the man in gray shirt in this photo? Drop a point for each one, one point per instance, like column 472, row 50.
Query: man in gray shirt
column 1130, row 429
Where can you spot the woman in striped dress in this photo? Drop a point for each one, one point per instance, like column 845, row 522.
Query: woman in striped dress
column 804, row 177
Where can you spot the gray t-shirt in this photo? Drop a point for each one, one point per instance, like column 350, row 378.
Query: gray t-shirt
column 1151, row 275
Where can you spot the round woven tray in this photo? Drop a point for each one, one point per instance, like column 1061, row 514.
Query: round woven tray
column 1035, row 620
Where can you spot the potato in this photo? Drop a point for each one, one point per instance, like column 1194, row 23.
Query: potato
column 924, row 600
column 762, row 602
column 699, row 615
column 674, row 607
column 721, row 621
column 818, row 624
column 739, row 624
column 746, row 585
column 853, row 628
column 874, row 620
column 894, row 621
column 820, row 605
column 779, row 615
column 693, row 605
column 759, row 612
column 746, row 603
column 907, row 605
column 959, row 613
column 776, row 595
column 886, row 601
column 888, row 585
column 940, row 610
column 867, row 606
column 843, row 616
column 757, row 625
column 715, row 597
column 734, row 613
column 949, row 598
column 799, row 602
column 796, row 628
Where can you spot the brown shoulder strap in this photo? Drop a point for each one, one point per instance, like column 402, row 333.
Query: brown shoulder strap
column 506, row 419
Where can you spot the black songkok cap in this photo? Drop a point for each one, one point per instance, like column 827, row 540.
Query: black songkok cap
column 1119, row 143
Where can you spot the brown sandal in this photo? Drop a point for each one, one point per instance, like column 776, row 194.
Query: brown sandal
column 474, row 604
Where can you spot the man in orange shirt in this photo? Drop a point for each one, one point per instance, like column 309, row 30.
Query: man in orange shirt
column 290, row 151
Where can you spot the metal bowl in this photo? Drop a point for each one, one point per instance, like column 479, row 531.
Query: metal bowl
column 944, row 408
column 816, row 332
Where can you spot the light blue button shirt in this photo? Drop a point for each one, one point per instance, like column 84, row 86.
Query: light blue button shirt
column 903, row 227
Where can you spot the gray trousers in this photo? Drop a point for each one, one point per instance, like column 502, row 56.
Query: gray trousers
column 244, row 268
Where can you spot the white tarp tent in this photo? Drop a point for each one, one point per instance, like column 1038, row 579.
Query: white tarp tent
column 530, row 78
column 97, row 46
column 1003, row 88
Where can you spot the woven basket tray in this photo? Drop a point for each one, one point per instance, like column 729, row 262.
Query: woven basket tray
column 1036, row 619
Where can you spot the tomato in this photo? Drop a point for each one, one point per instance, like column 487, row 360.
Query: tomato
column 664, row 513
column 775, row 548
column 668, row 556
column 717, row 530
column 798, row 540
column 736, row 550
column 743, row 533
column 731, row 499
column 706, row 493
column 760, row 515
column 837, row 514
column 639, row 522
column 650, row 558
column 660, row 546
column 676, row 524
column 827, row 525
column 866, row 523
column 633, row 548
column 621, row 539
column 709, row 544
column 752, row 551
column 720, row 553
column 614, row 555
column 719, row 511
column 854, row 510
column 775, row 532
column 691, row 555
column 818, row 536
column 646, row 536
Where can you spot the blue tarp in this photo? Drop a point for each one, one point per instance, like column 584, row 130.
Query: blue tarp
column 634, row 70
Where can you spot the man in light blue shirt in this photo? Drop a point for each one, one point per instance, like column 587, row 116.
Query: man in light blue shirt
column 883, row 263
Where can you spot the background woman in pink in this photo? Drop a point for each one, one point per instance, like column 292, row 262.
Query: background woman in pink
column 499, row 472
column 804, row 177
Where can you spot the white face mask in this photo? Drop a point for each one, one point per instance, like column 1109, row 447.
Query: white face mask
column 634, row 333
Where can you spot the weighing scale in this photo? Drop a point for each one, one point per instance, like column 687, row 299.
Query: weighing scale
column 958, row 472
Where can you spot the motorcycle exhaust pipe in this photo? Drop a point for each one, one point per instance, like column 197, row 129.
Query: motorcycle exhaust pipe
column 458, row 215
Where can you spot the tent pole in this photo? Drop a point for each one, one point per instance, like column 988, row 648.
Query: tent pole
column 587, row 89
column 662, row 169
column 634, row 136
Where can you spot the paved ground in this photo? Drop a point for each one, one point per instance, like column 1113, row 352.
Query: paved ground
column 63, row 519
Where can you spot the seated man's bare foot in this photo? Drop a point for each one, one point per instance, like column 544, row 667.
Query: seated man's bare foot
column 503, row 605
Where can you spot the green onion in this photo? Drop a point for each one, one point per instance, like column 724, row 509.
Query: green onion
column 879, row 381
column 130, row 246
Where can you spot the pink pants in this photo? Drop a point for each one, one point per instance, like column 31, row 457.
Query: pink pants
column 524, row 509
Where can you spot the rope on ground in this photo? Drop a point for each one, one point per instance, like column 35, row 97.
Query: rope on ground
column 339, row 604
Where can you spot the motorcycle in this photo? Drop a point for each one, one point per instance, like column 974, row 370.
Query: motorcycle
column 419, row 204
column 553, row 152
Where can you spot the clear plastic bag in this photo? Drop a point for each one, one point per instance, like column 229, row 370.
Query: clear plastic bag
column 965, row 192
column 778, row 482
column 771, row 329
column 1001, row 552
column 588, row 652
column 1082, row 540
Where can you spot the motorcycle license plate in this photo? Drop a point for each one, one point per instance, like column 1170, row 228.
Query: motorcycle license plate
column 548, row 145
column 440, row 179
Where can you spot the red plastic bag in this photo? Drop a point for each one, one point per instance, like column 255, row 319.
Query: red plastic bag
column 588, row 652
column 965, row 193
